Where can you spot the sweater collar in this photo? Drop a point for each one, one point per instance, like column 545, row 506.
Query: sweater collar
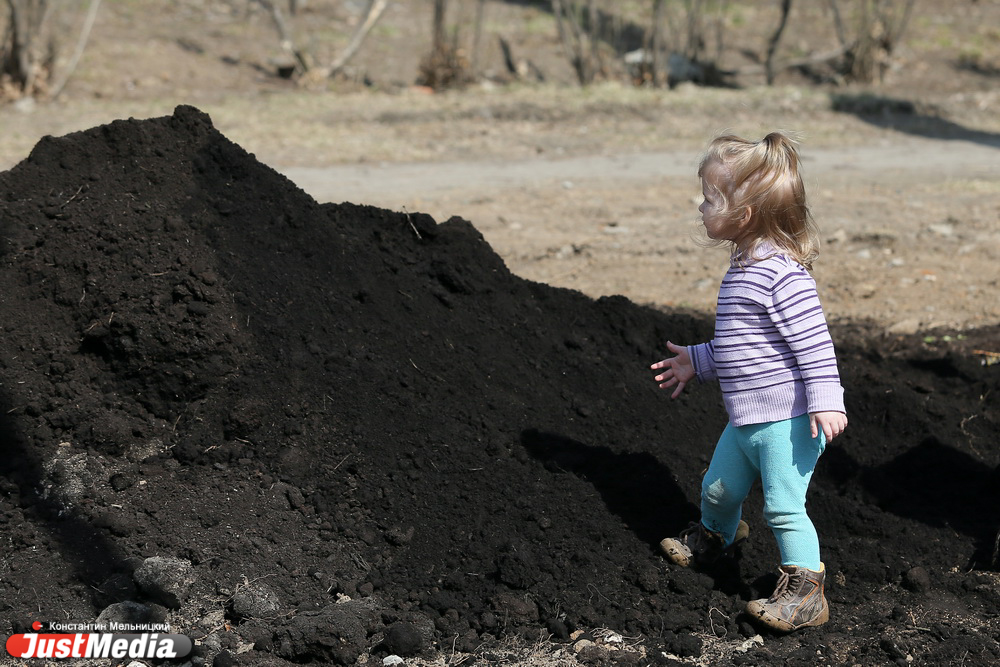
column 763, row 250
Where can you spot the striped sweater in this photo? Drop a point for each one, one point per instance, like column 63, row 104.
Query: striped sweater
column 772, row 351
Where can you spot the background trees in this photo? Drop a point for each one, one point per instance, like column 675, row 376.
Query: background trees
column 654, row 43
column 684, row 40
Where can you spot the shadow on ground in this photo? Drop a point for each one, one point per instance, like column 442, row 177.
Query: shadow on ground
column 634, row 485
column 908, row 117
column 912, row 486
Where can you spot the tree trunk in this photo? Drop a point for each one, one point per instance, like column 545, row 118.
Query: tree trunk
column 439, row 46
column 17, row 60
column 287, row 40
column 656, row 45
column 477, row 37
column 591, row 30
column 573, row 37
column 20, row 60
column 772, row 45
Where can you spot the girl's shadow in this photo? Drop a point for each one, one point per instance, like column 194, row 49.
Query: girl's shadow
column 635, row 486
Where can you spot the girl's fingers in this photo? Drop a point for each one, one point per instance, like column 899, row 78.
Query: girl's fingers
column 663, row 376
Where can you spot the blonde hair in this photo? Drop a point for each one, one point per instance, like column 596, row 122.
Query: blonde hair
column 763, row 177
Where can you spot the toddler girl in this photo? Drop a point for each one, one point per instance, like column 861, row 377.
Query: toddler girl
column 774, row 360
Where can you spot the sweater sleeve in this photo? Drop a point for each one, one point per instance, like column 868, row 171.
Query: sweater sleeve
column 703, row 360
column 798, row 316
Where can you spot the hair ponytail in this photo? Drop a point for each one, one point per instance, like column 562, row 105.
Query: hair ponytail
column 764, row 177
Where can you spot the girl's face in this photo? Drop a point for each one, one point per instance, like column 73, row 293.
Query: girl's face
column 717, row 226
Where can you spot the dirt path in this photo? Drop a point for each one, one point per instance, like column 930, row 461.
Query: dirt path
column 912, row 159
column 910, row 225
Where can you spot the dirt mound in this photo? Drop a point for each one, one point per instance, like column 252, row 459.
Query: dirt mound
column 354, row 432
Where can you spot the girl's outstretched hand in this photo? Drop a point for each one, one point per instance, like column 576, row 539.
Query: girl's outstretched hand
column 832, row 424
column 679, row 370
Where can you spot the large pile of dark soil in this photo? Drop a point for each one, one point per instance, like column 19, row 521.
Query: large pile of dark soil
column 308, row 404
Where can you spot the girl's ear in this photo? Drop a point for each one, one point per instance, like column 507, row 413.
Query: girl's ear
column 747, row 214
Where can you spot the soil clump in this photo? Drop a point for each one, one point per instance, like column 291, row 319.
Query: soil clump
column 340, row 432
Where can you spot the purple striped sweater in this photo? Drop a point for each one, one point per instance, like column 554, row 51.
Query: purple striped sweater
column 772, row 352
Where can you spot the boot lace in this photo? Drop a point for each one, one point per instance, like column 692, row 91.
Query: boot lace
column 787, row 585
column 686, row 533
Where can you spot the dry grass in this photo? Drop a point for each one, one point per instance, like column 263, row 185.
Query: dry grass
column 307, row 128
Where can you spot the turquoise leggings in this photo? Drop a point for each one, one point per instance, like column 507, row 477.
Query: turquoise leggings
column 783, row 455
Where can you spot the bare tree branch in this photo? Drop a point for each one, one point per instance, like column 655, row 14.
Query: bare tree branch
column 372, row 15
column 81, row 43
column 896, row 27
column 838, row 23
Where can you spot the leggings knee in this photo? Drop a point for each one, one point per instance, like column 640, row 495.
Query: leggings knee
column 716, row 495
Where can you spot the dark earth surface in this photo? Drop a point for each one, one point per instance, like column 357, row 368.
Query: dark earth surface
column 356, row 433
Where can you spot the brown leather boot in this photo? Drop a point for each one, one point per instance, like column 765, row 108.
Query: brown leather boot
column 797, row 602
column 698, row 545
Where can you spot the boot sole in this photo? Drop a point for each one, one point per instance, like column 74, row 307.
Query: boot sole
column 673, row 554
column 758, row 613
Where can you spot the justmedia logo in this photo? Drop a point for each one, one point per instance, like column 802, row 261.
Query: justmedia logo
column 88, row 640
